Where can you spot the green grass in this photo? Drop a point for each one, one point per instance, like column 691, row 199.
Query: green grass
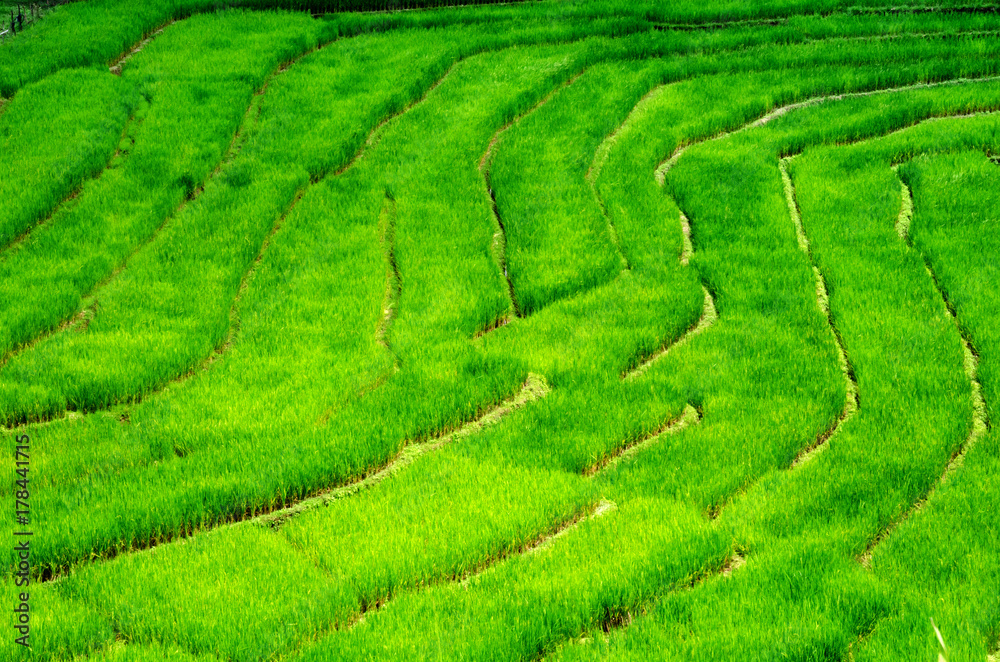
column 503, row 331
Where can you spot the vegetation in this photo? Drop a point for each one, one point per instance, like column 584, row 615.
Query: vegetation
column 568, row 329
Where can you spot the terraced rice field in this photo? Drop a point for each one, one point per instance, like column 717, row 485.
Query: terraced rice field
column 571, row 329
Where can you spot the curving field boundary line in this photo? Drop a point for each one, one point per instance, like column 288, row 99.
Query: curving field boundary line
column 690, row 416
column 499, row 246
column 724, row 572
column 541, row 542
column 980, row 417
column 113, row 160
column 119, row 64
column 375, row 135
column 709, row 314
column 534, row 387
column 601, row 157
column 251, row 116
column 670, row 161
column 851, row 403
column 390, row 300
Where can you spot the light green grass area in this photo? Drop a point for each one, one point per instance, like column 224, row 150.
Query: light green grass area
column 570, row 329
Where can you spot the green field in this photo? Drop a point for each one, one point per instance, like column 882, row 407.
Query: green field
column 563, row 329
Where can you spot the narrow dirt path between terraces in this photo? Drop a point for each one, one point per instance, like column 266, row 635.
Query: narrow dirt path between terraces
column 709, row 313
column 601, row 157
column 376, row 134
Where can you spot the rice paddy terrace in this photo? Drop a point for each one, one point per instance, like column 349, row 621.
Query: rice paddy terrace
column 576, row 330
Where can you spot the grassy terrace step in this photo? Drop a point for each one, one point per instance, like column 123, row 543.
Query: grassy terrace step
column 194, row 109
column 557, row 240
column 170, row 307
column 56, row 134
column 155, row 461
column 946, row 549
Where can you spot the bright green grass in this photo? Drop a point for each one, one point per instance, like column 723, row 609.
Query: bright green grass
column 56, row 134
column 319, row 305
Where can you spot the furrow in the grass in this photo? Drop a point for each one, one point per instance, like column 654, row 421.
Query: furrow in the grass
column 540, row 542
column 905, row 211
column 534, row 387
column 114, row 160
column 545, row 541
column 687, row 249
column 660, row 174
column 500, row 233
column 390, row 302
column 666, row 165
column 601, row 156
column 117, row 66
column 716, row 25
column 252, row 115
column 87, row 310
column 234, row 319
column 708, row 317
column 376, row 134
column 622, row 620
column 689, row 417
column 862, row 638
column 941, row 34
column 735, row 562
column 499, row 248
column 851, row 403
column 604, row 149
column 612, row 232
column 709, row 314
column 393, row 280
column 980, row 417
column 924, row 9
